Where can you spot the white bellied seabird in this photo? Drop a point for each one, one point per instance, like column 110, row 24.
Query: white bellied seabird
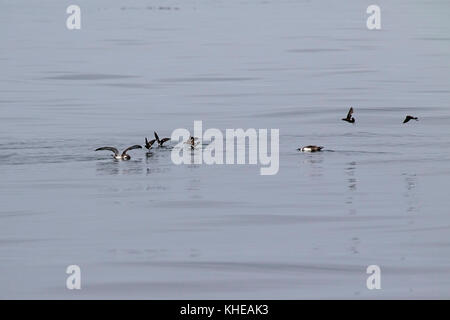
column 349, row 117
column 310, row 149
column 160, row 141
column 410, row 118
column 124, row 155
column 192, row 142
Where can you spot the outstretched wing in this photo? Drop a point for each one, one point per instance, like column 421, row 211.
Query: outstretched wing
column 156, row 136
column 116, row 152
column 407, row 119
column 136, row 146
column 148, row 144
column 164, row 140
column 350, row 112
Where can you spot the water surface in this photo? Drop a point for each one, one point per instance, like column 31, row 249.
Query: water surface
column 149, row 229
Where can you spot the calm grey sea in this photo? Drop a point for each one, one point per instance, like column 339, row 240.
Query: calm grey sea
column 149, row 229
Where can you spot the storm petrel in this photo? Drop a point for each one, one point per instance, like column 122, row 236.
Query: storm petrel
column 410, row 118
column 349, row 116
column 148, row 144
column 160, row 141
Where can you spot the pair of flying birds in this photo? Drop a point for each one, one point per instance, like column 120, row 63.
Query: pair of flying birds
column 124, row 156
column 349, row 119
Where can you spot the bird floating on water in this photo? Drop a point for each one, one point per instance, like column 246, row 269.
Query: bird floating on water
column 192, row 141
column 410, row 118
column 310, row 149
column 124, row 155
column 160, row 141
column 349, row 117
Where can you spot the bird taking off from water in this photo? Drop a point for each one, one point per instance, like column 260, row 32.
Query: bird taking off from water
column 410, row 118
column 124, row 155
column 160, row 141
column 148, row 144
column 349, row 116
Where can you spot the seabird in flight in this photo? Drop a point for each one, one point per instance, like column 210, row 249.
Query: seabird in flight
column 410, row 118
column 349, row 116
column 160, row 141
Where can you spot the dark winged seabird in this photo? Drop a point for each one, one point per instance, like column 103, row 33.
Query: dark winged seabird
column 148, row 144
column 124, row 155
column 160, row 141
column 349, row 116
column 410, row 118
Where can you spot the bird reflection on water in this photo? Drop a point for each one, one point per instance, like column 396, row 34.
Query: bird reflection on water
column 350, row 171
column 115, row 167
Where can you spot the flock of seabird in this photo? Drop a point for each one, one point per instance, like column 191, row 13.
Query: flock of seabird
column 192, row 141
column 148, row 144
